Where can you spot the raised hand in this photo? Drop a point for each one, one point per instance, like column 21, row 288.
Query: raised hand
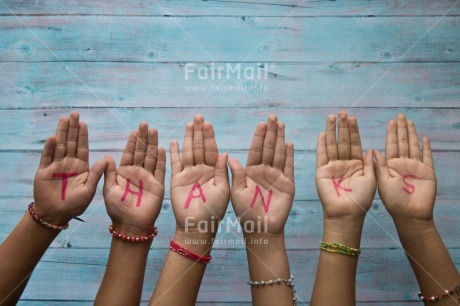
column 265, row 188
column 199, row 182
column 406, row 177
column 345, row 181
column 64, row 185
column 134, row 194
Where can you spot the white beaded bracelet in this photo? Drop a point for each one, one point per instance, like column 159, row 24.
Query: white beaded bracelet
column 289, row 282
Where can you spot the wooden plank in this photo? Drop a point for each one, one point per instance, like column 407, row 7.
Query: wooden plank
column 260, row 39
column 231, row 8
column 109, row 128
column 145, row 303
column 85, row 268
column 23, row 173
column 303, row 228
column 82, row 84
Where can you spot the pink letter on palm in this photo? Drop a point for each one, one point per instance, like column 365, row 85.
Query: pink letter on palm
column 337, row 185
column 137, row 193
column 259, row 192
column 64, row 177
column 191, row 196
column 411, row 188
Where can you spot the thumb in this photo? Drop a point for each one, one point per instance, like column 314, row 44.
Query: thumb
column 110, row 173
column 369, row 169
column 381, row 168
column 238, row 174
column 221, row 172
column 95, row 174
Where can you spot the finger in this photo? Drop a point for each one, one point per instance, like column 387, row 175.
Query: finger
column 289, row 163
column 95, row 174
column 238, row 175
column 369, row 169
column 321, row 151
column 128, row 153
column 82, row 142
column 255, row 151
column 176, row 164
column 344, row 137
column 427, row 153
column 198, row 139
column 381, row 168
column 152, row 151
column 391, row 145
column 211, row 153
column 280, row 147
column 270, row 140
column 47, row 153
column 110, row 174
column 61, row 138
column 414, row 146
column 187, row 150
column 403, row 139
column 221, row 172
column 331, row 143
column 356, row 151
column 141, row 145
column 160, row 169
column 72, row 134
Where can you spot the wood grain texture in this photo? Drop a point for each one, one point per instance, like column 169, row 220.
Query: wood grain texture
column 281, row 85
column 257, row 39
column 234, row 7
column 85, row 268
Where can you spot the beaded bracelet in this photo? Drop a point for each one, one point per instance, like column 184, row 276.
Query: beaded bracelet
column 435, row 298
column 289, row 282
column 43, row 222
column 133, row 238
column 339, row 249
column 189, row 254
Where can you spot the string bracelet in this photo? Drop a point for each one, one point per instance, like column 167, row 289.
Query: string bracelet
column 436, row 298
column 123, row 237
column 339, row 249
column 268, row 283
column 43, row 222
column 189, row 254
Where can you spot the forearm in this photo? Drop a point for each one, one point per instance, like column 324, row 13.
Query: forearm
column 335, row 270
column 268, row 260
column 181, row 274
column 20, row 253
column 433, row 267
column 124, row 276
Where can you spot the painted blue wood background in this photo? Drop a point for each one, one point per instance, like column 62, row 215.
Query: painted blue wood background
column 119, row 62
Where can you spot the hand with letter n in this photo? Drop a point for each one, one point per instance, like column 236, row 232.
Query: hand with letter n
column 262, row 196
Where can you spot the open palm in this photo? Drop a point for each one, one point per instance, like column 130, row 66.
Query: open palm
column 345, row 181
column 134, row 194
column 64, row 185
column 199, row 183
column 263, row 192
column 407, row 181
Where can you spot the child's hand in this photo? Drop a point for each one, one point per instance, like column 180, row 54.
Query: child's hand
column 64, row 185
column 406, row 178
column 345, row 181
column 263, row 192
column 199, row 183
column 133, row 195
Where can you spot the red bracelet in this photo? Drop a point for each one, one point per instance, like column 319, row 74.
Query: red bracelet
column 43, row 222
column 186, row 253
column 435, row 298
column 133, row 238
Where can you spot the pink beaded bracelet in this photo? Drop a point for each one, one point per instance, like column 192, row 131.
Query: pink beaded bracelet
column 146, row 238
column 43, row 222
column 189, row 254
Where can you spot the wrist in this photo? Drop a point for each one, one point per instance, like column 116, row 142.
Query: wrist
column 50, row 217
column 194, row 241
column 415, row 229
column 264, row 244
column 344, row 231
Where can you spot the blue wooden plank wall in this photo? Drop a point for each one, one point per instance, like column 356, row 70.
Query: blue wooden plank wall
column 119, row 62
